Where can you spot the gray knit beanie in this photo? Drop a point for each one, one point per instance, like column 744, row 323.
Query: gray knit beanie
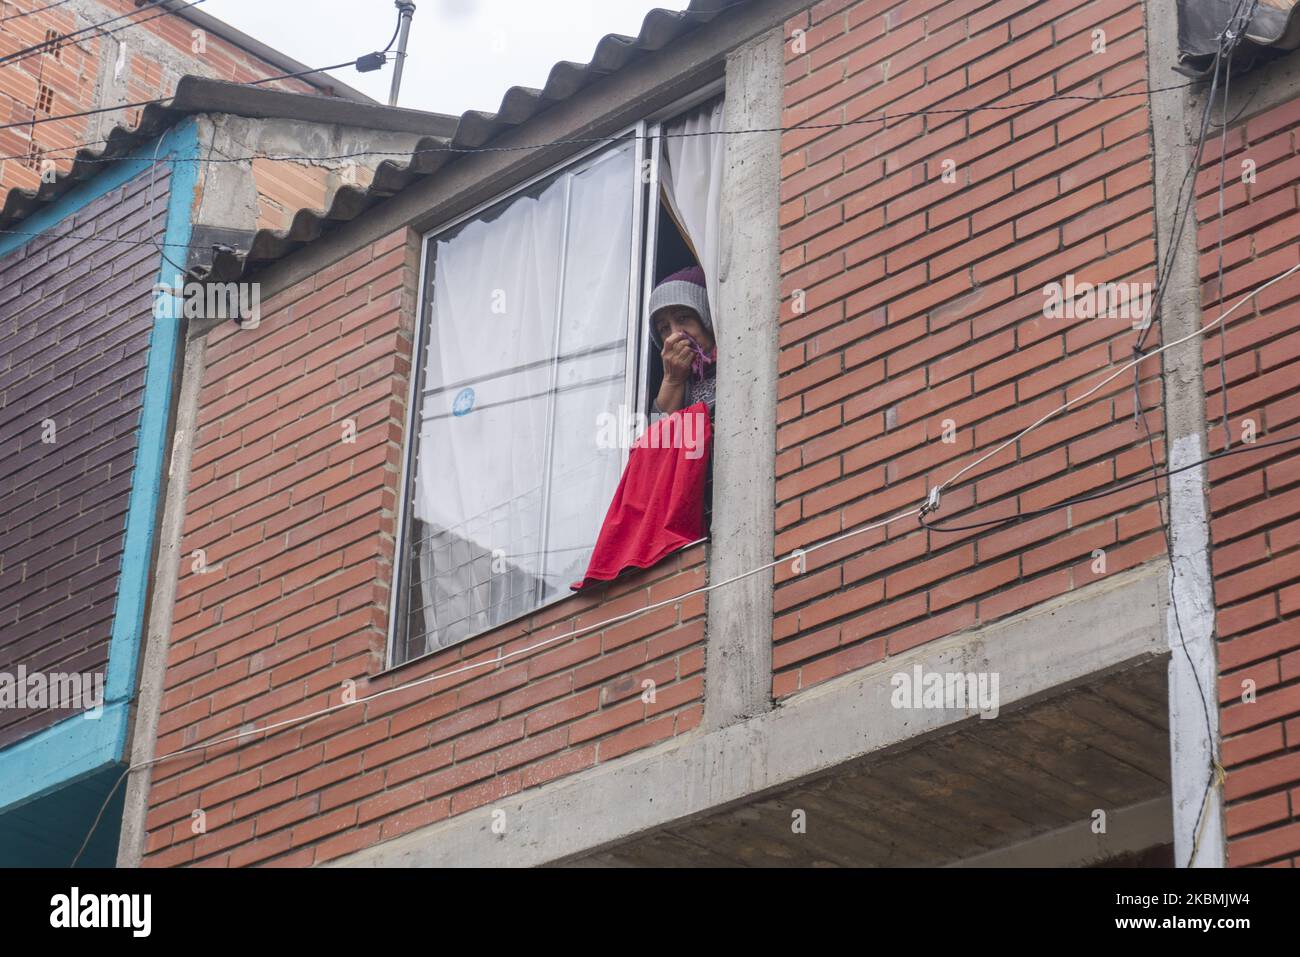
column 683, row 288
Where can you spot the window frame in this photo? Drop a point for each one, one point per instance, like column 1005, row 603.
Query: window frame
column 648, row 146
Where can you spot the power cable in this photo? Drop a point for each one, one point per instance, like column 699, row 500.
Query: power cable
column 1232, row 37
column 1181, row 208
column 488, row 149
column 100, row 239
column 884, row 117
column 1216, row 775
column 996, row 524
column 153, row 169
column 39, row 48
column 28, row 13
column 157, row 100
column 920, row 511
column 1228, row 40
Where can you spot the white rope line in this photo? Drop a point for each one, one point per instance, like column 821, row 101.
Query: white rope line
column 703, row 589
column 530, row 648
column 1118, row 372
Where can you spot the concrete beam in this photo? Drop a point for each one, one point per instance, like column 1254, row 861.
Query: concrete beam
column 1113, row 624
column 739, row 651
column 229, row 194
column 143, row 734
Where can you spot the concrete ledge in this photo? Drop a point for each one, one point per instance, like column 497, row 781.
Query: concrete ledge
column 1116, row 623
column 62, row 754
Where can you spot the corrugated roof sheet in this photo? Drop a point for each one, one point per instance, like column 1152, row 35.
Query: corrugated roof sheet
column 195, row 94
column 473, row 128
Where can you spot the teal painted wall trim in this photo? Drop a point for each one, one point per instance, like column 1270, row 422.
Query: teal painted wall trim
column 60, row 755
column 78, row 746
column 142, row 514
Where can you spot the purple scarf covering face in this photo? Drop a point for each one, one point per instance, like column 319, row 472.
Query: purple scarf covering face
column 702, row 359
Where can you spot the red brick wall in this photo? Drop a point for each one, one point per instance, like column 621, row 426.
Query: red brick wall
column 74, row 76
column 1255, row 497
column 924, row 303
column 298, row 531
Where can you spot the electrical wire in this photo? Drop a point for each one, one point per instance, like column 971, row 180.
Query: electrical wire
column 28, row 13
column 153, row 169
column 460, row 150
column 573, row 141
column 1232, row 37
column 1242, row 110
column 884, row 117
column 1181, row 208
column 142, row 103
column 919, row 511
column 1049, row 415
column 1182, row 636
column 1228, row 40
column 481, row 149
column 396, row 30
column 100, row 239
column 38, row 48
column 995, row 524
column 1142, row 357
column 1216, row 775
column 338, row 66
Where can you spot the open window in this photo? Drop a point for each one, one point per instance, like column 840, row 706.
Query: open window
column 532, row 332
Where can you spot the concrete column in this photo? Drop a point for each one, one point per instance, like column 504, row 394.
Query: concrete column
column 1193, row 662
column 143, row 734
column 738, row 679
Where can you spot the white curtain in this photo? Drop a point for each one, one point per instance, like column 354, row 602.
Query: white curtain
column 592, row 369
column 691, row 181
column 527, row 347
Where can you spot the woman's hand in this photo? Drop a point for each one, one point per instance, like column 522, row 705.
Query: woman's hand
column 677, row 356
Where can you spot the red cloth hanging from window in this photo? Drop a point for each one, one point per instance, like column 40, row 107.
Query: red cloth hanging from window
column 659, row 504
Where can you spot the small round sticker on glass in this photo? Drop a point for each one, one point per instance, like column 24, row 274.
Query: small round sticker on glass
column 464, row 402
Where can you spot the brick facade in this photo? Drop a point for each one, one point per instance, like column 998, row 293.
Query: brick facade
column 915, row 252
column 298, row 528
column 923, row 307
column 1255, row 497
column 75, row 320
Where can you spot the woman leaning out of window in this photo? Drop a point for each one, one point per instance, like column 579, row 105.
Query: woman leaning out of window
column 683, row 332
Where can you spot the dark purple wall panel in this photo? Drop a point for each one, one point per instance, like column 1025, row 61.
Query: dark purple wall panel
column 75, row 318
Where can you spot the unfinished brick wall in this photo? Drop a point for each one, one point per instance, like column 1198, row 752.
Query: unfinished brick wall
column 297, row 529
column 75, row 319
column 1255, row 496
column 82, row 75
column 284, row 188
column 922, row 309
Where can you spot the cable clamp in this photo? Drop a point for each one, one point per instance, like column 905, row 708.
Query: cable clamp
column 931, row 503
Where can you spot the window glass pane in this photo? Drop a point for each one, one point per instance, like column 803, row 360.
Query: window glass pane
column 529, row 311
column 591, row 372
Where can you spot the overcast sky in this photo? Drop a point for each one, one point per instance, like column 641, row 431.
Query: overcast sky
column 463, row 54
